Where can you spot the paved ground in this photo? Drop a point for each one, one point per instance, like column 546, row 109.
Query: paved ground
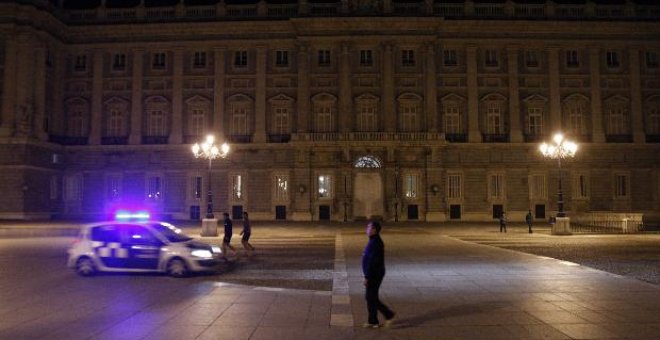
column 442, row 286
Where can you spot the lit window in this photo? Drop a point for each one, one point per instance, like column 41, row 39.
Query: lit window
column 237, row 187
column 454, row 186
column 621, row 186
column 113, row 185
column 368, row 162
column 324, row 182
column 281, row 188
column 154, row 190
column 196, row 187
column 496, row 187
column 411, row 185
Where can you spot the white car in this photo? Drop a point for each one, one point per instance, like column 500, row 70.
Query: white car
column 143, row 246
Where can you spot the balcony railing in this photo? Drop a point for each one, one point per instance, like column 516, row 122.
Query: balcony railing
column 154, row 139
column 533, row 138
column 619, row 138
column 496, row 138
column 456, row 137
column 114, row 140
column 367, row 136
column 67, row 140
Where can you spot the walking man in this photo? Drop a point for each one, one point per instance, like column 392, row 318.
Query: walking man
column 529, row 219
column 246, row 232
column 503, row 222
column 373, row 268
column 227, row 238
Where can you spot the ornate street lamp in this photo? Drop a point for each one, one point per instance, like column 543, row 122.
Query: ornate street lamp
column 560, row 149
column 210, row 151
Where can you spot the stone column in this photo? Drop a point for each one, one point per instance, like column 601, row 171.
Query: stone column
column 260, row 96
column 304, row 114
column 431, row 90
column 515, row 131
column 597, row 133
column 96, row 118
column 474, row 135
column 389, row 102
column 219, row 55
column 636, row 107
column 24, row 94
column 135, row 136
column 40, row 93
column 555, row 95
column 176, row 132
column 345, row 90
column 9, row 90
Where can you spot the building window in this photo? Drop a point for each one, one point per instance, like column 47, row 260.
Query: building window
column 80, row 64
column 537, row 187
column 496, row 187
column 407, row 57
column 531, row 59
column 119, row 62
column 239, row 120
column 281, row 188
column 491, row 58
column 113, row 185
column 197, row 121
column 158, row 61
column 651, row 58
column 366, row 58
column 572, row 58
column 612, row 59
column 409, row 120
column 368, row 162
column 281, row 118
column 324, row 57
column 617, row 118
column 156, row 123
column 196, row 188
column 581, row 186
column 77, row 123
column 493, row 118
column 452, row 115
column 534, row 121
column 367, row 120
column 240, row 59
column 411, row 185
column 324, row 117
column 653, row 126
column 576, row 117
column 154, row 189
column 73, row 188
column 199, row 60
column 237, row 193
column 324, row 183
column 621, row 186
column 449, row 58
column 282, row 58
column 116, row 123
column 454, row 186
column 54, row 194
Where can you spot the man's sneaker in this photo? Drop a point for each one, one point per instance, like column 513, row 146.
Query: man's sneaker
column 370, row 325
column 389, row 322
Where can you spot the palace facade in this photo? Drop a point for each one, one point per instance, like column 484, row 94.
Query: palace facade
column 334, row 110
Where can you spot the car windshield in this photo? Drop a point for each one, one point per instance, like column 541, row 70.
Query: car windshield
column 172, row 233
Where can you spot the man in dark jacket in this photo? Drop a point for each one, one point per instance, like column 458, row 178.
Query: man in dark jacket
column 373, row 267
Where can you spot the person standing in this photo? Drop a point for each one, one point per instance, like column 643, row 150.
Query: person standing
column 503, row 222
column 373, row 268
column 227, row 238
column 246, row 232
column 529, row 219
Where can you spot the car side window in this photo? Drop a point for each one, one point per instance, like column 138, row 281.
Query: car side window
column 105, row 233
column 136, row 234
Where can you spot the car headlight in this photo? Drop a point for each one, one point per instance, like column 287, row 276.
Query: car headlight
column 216, row 249
column 201, row 253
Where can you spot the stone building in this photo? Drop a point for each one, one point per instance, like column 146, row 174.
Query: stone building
column 334, row 110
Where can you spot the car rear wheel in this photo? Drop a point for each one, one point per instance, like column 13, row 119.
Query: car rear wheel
column 85, row 267
column 177, row 267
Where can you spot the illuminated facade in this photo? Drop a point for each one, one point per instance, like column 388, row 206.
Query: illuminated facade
column 335, row 110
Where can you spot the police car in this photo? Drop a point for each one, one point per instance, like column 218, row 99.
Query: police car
column 128, row 245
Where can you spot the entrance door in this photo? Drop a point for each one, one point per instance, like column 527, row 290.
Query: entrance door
column 368, row 196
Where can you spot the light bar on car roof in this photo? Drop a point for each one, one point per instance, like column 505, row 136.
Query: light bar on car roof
column 124, row 215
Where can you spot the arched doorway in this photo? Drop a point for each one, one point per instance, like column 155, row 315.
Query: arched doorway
column 368, row 193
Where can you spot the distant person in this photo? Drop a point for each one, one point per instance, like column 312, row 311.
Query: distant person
column 373, row 268
column 529, row 219
column 503, row 222
column 246, row 232
column 227, row 238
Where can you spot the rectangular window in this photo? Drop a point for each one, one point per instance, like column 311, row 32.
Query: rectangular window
column 449, row 58
column 411, row 185
column 572, row 58
column 324, row 121
column 281, row 120
column 324, row 58
column 366, row 58
column 156, row 123
column 531, row 59
column 240, row 59
column 72, row 188
column 115, row 123
column 454, row 186
column 158, row 61
column 119, row 62
column 612, row 59
column 324, row 183
column 621, row 186
column 535, row 121
column 452, row 119
column 491, row 58
column 581, row 186
column 618, row 120
column 196, row 188
column 537, row 187
column 199, row 60
column 197, row 122
column 154, row 189
column 407, row 57
column 113, row 186
column 239, row 120
column 651, row 58
column 282, row 58
column 80, row 64
column 409, row 118
column 493, row 119
column 367, row 117
column 54, row 194
column 653, row 126
column 496, row 186
column 237, row 187
column 281, row 188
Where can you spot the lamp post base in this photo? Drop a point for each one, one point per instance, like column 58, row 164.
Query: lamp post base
column 209, row 227
column 562, row 226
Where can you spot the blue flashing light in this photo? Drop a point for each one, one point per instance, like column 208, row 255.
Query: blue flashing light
column 124, row 215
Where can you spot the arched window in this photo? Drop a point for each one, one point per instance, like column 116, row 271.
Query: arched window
column 368, row 162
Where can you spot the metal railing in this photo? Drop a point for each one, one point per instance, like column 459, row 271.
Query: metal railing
column 607, row 222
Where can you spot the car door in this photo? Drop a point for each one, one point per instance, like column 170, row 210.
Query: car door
column 143, row 247
column 107, row 246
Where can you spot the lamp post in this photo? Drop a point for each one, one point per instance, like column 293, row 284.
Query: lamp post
column 208, row 150
column 560, row 148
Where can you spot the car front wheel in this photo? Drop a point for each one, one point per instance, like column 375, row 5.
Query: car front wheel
column 85, row 267
column 177, row 268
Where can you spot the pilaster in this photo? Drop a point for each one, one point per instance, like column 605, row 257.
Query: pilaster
column 260, row 96
column 176, row 133
column 96, row 118
column 345, row 100
column 135, row 136
column 219, row 55
column 515, row 132
column 303, row 88
column 389, row 104
column 474, row 135
column 9, row 89
column 637, row 112
column 555, row 95
column 597, row 133
column 431, row 90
